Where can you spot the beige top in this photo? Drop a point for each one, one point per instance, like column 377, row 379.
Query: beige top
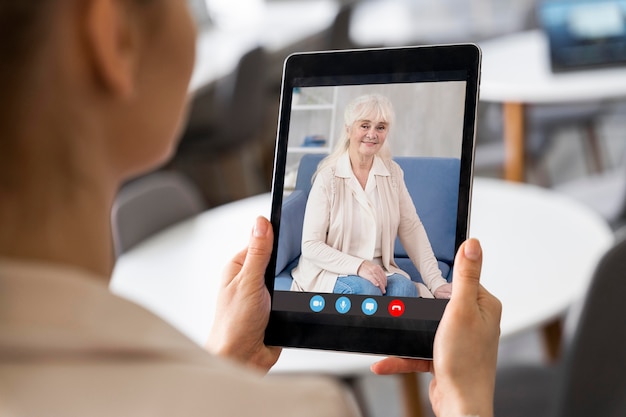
column 68, row 347
column 335, row 244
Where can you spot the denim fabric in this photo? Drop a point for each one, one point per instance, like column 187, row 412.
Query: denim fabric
column 397, row 286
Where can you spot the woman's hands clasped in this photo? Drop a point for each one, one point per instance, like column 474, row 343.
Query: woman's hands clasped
column 374, row 274
column 243, row 305
column 445, row 291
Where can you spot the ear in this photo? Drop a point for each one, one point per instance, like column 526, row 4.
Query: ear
column 113, row 43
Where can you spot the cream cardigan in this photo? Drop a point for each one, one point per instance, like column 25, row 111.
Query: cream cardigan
column 328, row 229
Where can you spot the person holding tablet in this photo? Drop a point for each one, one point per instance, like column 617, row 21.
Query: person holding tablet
column 357, row 206
column 93, row 93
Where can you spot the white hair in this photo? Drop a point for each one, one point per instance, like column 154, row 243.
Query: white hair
column 366, row 107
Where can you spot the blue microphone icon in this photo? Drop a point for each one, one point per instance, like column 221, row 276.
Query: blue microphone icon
column 343, row 305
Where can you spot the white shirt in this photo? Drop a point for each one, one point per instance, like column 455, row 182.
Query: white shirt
column 368, row 233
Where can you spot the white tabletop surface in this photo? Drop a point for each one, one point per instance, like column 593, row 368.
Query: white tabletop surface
column 516, row 68
column 402, row 22
column 280, row 24
column 540, row 250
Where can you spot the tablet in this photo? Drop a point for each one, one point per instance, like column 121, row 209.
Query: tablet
column 370, row 197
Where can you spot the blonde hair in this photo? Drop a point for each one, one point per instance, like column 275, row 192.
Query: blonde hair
column 369, row 106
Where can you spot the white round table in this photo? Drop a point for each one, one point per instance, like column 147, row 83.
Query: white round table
column 516, row 71
column 540, row 250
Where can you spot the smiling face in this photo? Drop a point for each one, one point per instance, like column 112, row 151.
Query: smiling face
column 367, row 122
column 367, row 136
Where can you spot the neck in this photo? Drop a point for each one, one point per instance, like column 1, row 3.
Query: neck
column 361, row 162
column 59, row 210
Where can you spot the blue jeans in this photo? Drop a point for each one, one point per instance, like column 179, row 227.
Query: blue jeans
column 397, row 286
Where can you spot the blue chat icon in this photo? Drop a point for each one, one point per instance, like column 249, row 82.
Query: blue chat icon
column 369, row 306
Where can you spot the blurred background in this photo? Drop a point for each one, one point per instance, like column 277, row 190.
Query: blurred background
column 572, row 143
column 236, row 86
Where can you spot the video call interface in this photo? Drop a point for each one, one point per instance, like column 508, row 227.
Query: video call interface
column 421, row 121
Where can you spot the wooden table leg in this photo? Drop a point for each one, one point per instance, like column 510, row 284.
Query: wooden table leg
column 552, row 336
column 411, row 395
column 514, row 126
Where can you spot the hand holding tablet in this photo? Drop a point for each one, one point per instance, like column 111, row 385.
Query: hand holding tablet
column 468, row 329
column 365, row 236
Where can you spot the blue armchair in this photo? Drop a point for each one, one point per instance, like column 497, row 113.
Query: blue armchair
column 433, row 184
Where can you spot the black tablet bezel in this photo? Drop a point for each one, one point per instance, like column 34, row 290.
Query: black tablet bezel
column 354, row 333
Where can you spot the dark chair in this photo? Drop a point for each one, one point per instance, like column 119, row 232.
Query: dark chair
column 221, row 148
column 149, row 204
column 433, row 184
column 338, row 35
column 590, row 380
column 228, row 114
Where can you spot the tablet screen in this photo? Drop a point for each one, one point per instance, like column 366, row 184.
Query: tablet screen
column 370, row 196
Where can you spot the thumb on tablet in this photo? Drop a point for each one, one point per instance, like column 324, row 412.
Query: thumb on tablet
column 259, row 247
column 243, row 305
column 466, row 343
column 467, row 267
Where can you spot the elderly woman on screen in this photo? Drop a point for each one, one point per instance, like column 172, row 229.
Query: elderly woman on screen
column 357, row 206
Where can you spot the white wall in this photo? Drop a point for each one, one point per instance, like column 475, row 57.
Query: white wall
column 429, row 116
